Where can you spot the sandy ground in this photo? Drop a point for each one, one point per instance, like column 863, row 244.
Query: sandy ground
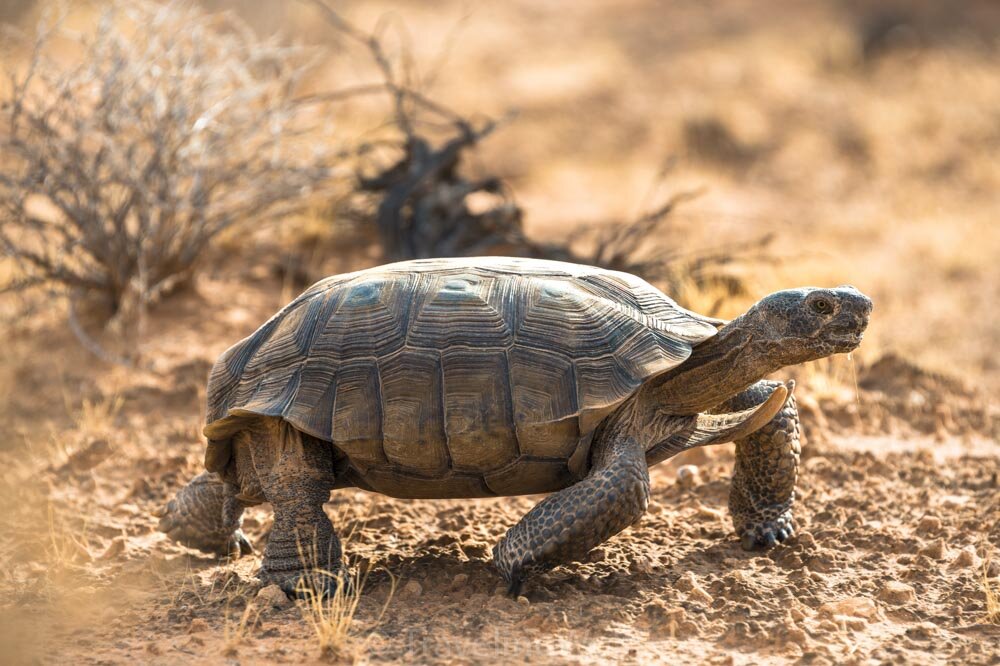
column 899, row 502
column 880, row 171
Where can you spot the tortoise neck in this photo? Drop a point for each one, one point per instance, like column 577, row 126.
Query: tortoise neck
column 717, row 369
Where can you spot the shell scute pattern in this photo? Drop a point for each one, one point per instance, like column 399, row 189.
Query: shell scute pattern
column 478, row 371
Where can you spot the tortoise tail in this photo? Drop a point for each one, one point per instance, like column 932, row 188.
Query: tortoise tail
column 206, row 515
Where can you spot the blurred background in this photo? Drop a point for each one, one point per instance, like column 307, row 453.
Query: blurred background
column 860, row 137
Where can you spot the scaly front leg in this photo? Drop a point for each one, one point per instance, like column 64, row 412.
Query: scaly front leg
column 567, row 524
column 767, row 467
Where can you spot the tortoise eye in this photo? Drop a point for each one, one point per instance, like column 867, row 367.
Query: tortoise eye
column 822, row 306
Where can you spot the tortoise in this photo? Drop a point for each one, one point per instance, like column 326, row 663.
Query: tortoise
column 495, row 376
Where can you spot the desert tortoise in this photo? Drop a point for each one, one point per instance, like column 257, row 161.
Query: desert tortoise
column 492, row 376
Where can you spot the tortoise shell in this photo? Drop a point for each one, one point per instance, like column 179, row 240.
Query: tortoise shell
column 454, row 377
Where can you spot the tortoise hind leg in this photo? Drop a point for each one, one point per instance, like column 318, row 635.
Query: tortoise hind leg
column 567, row 524
column 296, row 476
column 767, row 467
column 206, row 515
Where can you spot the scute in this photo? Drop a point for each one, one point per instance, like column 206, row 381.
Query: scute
column 491, row 368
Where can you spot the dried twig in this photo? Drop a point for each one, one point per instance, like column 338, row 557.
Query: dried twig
column 117, row 172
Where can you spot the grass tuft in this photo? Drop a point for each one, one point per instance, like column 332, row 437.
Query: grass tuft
column 236, row 632
column 992, row 592
column 332, row 617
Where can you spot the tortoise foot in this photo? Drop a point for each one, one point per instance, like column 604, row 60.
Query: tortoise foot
column 312, row 585
column 768, row 533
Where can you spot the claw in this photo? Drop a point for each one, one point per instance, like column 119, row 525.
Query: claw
column 239, row 545
column 308, row 585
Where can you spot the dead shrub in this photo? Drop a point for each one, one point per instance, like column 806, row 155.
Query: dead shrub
column 415, row 200
column 120, row 170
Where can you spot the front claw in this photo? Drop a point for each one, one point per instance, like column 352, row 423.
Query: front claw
column 314, row 585
column 767, row 534
column 239, row 545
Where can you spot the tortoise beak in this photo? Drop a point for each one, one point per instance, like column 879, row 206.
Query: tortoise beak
column 848, row 329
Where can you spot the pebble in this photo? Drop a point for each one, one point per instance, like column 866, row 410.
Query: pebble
column 967, row 558
column 198, row 624
column 862, row 607
column 686, row 581
column 935, row 550
column 460, row 580
column 954, row 501
column 897, row 593
column 412, row 590
column 993, row 569
column 699, row 594
column 115, row 548
column 709, row 513
column 273, row 596
column 523, row 601
column 929, row 524
column 688, row 476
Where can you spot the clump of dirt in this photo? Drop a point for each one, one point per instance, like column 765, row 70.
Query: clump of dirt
column 896, row 396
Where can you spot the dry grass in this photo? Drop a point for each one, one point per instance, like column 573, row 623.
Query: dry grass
column 991, row 589
column 236, row 632
column 96, row 417
column 67, row 546
column 332, row 617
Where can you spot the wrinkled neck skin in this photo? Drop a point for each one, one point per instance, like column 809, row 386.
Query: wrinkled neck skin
column 718, row 369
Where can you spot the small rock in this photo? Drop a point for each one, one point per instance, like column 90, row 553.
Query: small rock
column 923, row 631
column 412, row 590
column 664, row 618
column 114, row 549
column 597, row 555
column 710, row 514
column 686, row 581
column 806, row 540
column 993, row 569
column 699, row 594
column 897, row 593
column 476, row 550
column 273, row 596
column 642, row 564
column 523, row 601
column 954, row 501
column 935, row 550
column 967, row 558
column 88, row 457
column 929, row 524
column 862, row 607
column 797, row 636
column 688, row 476
column 460, row 580
column 198, row 624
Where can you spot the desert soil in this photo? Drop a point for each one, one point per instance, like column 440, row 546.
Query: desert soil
column 898, row 503
column 871, row 161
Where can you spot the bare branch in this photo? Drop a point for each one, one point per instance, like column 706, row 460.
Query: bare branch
column 172, row 127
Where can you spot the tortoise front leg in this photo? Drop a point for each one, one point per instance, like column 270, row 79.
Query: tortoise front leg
column 767, row 467
column 296, row 475
column 567, row 524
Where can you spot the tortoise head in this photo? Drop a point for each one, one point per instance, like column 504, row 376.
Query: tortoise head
column 809, row 323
